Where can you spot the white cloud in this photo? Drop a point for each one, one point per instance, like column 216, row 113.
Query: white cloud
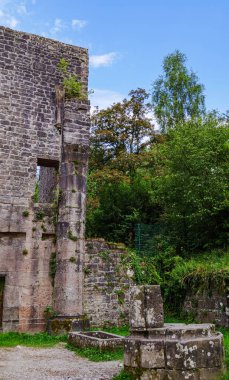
column 57, row 27
column 22, row 10
column 8, row 20
column 12, row 22
column 12, row 12
column 78, row 24
column 103, row 60
column 104, row 98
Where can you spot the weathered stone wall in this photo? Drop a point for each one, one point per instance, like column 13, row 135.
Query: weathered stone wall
column 28, row 136
column 211, row 309
column 106, row 284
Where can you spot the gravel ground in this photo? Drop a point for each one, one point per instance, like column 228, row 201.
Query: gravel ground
column 26, row 363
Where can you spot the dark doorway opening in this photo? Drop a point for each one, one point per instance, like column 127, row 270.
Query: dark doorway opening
column 2, row 286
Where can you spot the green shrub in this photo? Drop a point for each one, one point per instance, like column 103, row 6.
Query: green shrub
column 73, row 88
column 63, row 65
column 202, row 275
column 143, row 268
column 49, row 312
column 39, row 215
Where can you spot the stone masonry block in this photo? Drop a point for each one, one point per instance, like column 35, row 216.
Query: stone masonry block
column 154, row 307
column 131, row 353
column 194, row 353
column 152, row 354
column 146, row 309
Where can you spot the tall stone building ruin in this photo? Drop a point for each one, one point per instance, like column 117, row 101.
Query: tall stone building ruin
column 43, row 134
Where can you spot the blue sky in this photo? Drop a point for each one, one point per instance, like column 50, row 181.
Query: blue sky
column 128, row 39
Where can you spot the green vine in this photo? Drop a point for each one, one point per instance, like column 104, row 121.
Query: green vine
column 52, row 266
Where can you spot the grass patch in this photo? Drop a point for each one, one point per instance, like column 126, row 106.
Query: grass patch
column 12, row 339
column 95, row 355
column 123, row 375
column 123, row 330
column 225, row 333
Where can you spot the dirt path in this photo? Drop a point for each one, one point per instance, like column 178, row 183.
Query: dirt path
column 25, row 363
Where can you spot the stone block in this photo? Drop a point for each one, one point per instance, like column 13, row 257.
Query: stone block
column 96, row 339
column 131, row 353
column 194, row 353
column 146, row 307
column 137, row 307
column 154, row 307
column 152, row 354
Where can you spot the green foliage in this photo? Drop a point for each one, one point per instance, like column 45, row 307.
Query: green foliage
column 177, row 95
column 201, row 275
column 71, row 236
column 39, row 215
column 12, row 339
column 104, row 255
column 122, row 330
column 73, row 88
column 72, row 259
column 121, row 296
column 143, row 270
column 49, row 312
column 118, row 182
column 86, row 270
column 25, row 213
column 52, row 266
column 123, row 375
column 63, row 65
column 25, row 252
column 36, row 193
column 191, row 185
column 123, row 127
column 95, row 355
column 225, row 333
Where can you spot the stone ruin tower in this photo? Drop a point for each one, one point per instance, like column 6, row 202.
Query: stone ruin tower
column 41, row 133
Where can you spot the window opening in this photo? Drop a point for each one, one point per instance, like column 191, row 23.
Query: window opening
column 46, row 181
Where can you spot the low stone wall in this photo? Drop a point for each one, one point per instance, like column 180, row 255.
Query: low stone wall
column 106, row 283
column 206, row 308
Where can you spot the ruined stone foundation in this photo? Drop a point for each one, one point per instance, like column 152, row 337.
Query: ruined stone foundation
column 161, row 351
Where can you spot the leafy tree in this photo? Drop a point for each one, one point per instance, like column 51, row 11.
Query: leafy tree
column 121, row 128
column 177, row 96
column 119, row 181
column 192, row 184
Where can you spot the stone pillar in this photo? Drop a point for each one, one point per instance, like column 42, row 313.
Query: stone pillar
column 68, row 289
column 146, row 307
